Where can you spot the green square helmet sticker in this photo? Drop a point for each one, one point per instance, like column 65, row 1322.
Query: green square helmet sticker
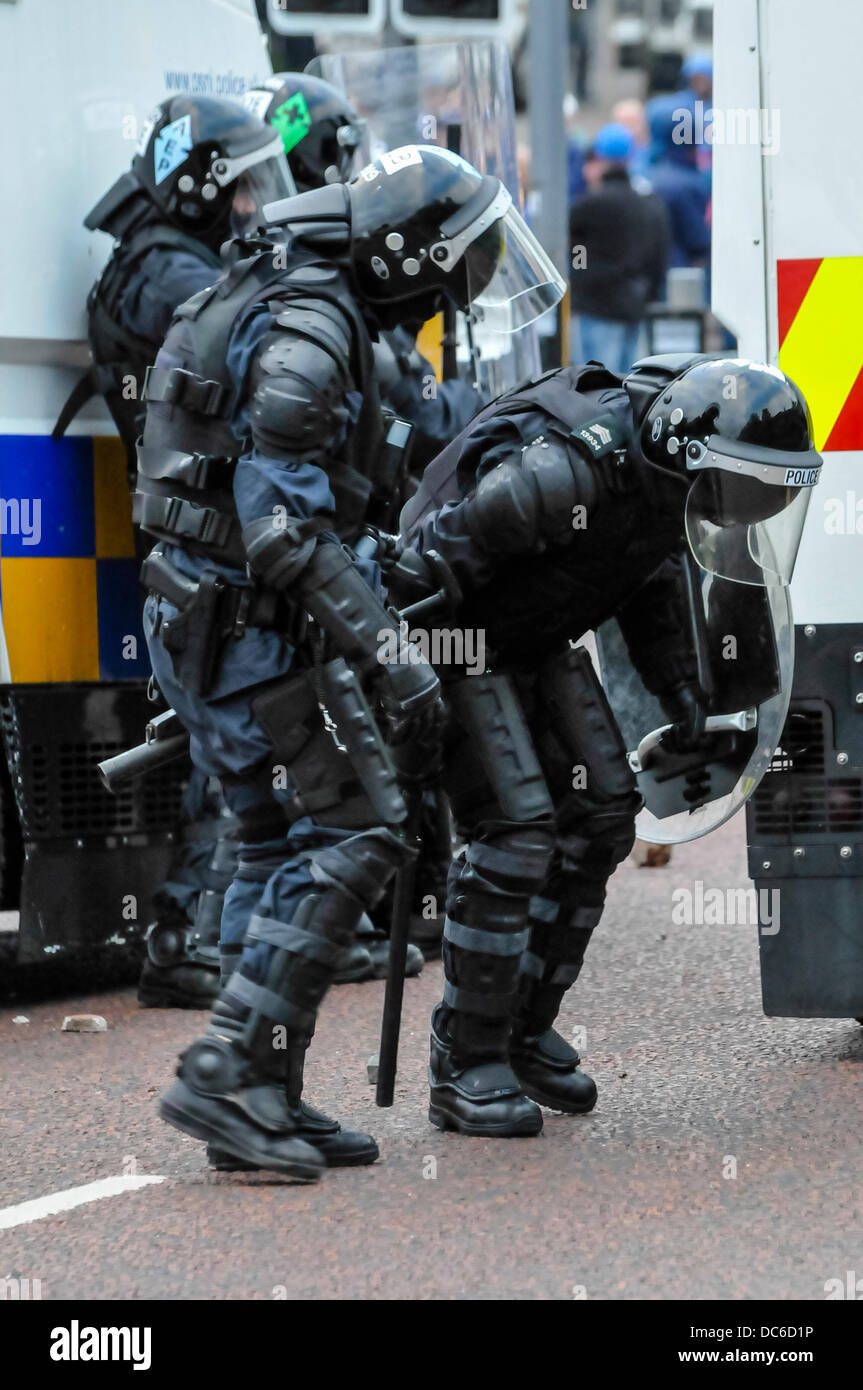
column 292, row 120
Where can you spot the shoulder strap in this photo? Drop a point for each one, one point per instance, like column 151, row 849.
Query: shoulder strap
column 560, row 393
column 119, row 342
column 162, row 234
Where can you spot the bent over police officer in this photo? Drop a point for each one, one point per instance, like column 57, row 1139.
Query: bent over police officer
column 564, row 505
column 257, row 463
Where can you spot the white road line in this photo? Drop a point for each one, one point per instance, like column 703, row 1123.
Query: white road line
column 73, row 1197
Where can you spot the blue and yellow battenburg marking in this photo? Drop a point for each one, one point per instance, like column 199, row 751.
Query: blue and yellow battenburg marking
column 68, row 574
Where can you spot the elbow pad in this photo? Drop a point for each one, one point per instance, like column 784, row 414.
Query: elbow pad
column 526, row 503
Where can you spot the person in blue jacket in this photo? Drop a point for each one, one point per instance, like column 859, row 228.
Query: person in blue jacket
column 675, row 177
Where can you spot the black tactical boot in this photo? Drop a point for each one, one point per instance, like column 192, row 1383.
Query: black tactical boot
column 481, row 1097
column 230, row 1099
column 369, row 956
column 265, row 1018
column 176, row 975
column 547, row 1068
column 354, row 965
column 339, row 1148
column 473, row 1087
column 543, row 1061
column 378, row 946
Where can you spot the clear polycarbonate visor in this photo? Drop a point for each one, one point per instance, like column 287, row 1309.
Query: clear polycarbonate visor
column 745, row 516
column 262, row 177
column 524, row 283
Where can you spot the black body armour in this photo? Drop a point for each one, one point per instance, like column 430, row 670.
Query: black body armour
column 562, row 589
column 118, row 354
column 187, row 457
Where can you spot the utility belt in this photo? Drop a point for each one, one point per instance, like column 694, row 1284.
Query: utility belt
column 211, row 612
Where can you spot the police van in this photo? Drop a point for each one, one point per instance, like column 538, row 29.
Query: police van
column 788, row 279
column 78, row 84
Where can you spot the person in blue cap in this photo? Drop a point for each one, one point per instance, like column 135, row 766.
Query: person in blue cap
column 697, row 72
column 673, row 172
column 697, row 96
column 619, row 240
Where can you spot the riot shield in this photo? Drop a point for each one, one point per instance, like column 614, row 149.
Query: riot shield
column 743, row 636
column 458, row 96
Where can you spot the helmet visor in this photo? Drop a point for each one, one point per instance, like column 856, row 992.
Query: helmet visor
column 743, row 528
column 260, row 177
column 511, row 281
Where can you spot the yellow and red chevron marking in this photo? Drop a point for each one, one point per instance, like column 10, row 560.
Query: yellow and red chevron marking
column 820, row 308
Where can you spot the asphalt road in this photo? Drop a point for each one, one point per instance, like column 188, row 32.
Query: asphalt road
column 722, row 1161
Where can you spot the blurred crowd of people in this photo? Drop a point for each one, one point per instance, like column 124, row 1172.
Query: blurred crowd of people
column 639, row 206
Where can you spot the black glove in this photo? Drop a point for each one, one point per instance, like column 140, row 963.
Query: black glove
column 410, row 577
column 414, row 742
column 686, row 707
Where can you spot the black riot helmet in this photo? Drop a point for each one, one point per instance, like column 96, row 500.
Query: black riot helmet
column 209, row 166
column 425, row 223
column 420, row 223
column 740, row 433
column 320, row 130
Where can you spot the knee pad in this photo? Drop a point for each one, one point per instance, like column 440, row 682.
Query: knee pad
column 361, row 866
column 508, row 862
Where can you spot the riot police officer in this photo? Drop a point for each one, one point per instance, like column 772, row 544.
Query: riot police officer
column 259, row 456
column 322, row 135
column 205, row 167
column 566, row 504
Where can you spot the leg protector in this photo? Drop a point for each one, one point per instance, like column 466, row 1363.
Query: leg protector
column 595, row 816
column 211, row 900
column 504, row 811
column 595, row 827
column 485, row 933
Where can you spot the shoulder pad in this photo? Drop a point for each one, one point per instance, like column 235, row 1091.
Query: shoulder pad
column 299, row 404
column 561, row 479
column 318, row 323
column 191, row 308
column 312, row 275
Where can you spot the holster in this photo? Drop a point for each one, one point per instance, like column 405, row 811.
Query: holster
column 194, row 638
column 210, row 612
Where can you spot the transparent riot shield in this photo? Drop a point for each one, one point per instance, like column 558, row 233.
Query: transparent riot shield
column 458, row 96
column 744, row 636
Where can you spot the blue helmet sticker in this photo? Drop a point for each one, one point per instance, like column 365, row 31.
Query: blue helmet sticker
column 172, row 146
